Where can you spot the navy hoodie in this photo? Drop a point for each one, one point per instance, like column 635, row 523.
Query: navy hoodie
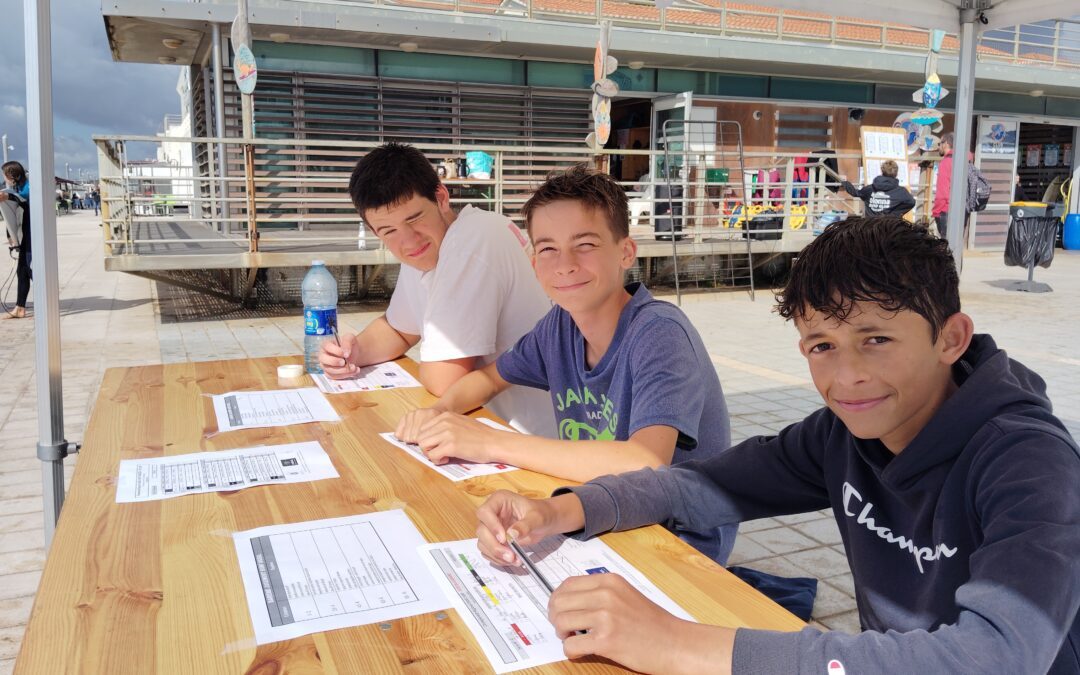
column 965, row 547
column 884, row 197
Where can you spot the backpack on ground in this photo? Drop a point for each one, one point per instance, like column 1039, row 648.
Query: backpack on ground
column 978, row 189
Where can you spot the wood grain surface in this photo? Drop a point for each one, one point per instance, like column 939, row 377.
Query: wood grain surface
column 154, row 587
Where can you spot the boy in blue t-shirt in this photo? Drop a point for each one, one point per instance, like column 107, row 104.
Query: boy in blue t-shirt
column 626, row 372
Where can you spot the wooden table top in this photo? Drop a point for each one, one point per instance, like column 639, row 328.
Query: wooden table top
column 155, row 587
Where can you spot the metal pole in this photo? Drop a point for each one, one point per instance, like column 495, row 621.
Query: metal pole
column 51, row 446
column 4, row 139
column 965, row 100
column 219, row 123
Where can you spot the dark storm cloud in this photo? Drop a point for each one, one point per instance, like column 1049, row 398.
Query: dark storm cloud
column 91, row 93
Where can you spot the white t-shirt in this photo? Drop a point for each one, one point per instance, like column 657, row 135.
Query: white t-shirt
column 480, row 298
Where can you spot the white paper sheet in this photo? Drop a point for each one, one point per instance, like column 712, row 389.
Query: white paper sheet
column 323, row 575
column 506, row 610
column 455, row 469
column 144, row 480
column 282, row 407
column 389, row 375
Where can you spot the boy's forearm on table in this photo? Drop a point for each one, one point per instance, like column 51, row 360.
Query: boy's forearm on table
column 577, row 460
column 470, row 392
column 378, row 343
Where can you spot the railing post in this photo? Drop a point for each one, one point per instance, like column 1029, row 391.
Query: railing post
column 129, row 245
column 780, row 25
column 1057, row 42
column 832, row 31
column 789, row 182
column 599, row 10
column 498, row 174
column 723, row 19
column 249, row 175
column 1016, row 43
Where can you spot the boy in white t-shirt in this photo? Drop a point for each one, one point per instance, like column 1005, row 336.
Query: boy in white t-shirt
column 466, row 290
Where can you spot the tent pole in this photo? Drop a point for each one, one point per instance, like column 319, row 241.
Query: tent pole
column 51, row 446
column 965, row 101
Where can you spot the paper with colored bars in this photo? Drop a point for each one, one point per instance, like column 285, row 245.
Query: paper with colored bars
column 389, row 375
column 506, row 609
column 323, row 575
column 455, row 469
column 142, row 480
column 255, row 409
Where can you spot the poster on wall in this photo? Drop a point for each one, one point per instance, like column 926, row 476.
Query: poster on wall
column 1034, row 155
column 880, row 144
column 997, row 137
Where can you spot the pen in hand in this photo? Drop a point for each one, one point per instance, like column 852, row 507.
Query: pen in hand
column 534, row 572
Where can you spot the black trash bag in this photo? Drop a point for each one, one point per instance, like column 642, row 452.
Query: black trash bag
column 770, row 220
column 1031, row 240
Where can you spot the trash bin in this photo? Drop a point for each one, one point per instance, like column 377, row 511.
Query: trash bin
column 668, row 216
column 1030, row 241
column 769, row 224
column 1070, row 238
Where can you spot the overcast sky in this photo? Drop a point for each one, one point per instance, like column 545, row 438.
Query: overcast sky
column 92, row 94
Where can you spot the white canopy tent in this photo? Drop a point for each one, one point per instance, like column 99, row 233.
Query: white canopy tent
column 963, row 17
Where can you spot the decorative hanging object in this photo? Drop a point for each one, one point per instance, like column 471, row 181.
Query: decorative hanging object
column 604, row 89
column 921, row 125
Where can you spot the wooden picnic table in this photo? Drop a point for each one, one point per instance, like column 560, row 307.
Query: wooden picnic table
column 154, row 587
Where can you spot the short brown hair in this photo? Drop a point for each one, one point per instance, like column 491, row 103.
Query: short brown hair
column 889, row 168
column 595, row 190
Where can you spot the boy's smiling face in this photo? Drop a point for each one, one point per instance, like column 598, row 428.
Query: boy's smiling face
column 881, row 372
column 577, row 258
column 413, row 229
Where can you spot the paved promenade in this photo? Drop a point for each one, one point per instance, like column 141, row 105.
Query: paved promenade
column 114, row 319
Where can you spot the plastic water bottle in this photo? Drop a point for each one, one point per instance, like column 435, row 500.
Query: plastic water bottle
column 319, row 291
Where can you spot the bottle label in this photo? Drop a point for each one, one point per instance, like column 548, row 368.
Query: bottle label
column 319, row 321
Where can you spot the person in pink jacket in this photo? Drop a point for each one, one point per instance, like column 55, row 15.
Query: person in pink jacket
column 940, row 209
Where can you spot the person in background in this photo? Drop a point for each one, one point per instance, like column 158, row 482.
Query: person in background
column 885, row 196
column 940, row 209
column 18, row 190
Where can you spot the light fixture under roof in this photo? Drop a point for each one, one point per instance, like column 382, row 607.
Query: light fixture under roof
column 173, row 43
column 636, row 65
column 279, row 37
column 166, row 60
column 1036, row 92
column 409, row 46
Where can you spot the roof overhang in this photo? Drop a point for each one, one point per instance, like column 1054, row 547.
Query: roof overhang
column 138, row 27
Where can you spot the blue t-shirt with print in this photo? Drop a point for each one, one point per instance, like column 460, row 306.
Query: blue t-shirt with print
column 655, row 372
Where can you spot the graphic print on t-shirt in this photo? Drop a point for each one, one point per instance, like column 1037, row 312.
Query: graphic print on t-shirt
column 585, row 415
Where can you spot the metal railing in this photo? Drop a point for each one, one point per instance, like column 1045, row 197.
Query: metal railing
column 1051, row 44
column 167, row 216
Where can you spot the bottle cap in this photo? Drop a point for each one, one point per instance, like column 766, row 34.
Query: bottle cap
column 290, row 371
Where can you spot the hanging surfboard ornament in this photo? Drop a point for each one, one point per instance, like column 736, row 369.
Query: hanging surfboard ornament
column 604, row 89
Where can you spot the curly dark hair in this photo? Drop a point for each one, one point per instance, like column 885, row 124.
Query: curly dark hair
column 884, row 260
column 391, row 174
column 592, row 188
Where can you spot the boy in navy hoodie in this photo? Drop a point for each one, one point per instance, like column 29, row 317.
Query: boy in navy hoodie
column 954, row 486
